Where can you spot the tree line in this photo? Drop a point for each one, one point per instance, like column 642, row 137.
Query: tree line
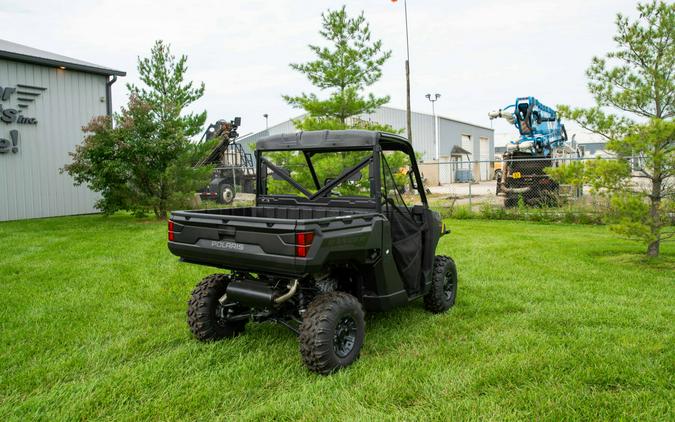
column 142, row 159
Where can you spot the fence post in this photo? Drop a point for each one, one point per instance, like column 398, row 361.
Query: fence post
column 470, row 180
column 438, row 169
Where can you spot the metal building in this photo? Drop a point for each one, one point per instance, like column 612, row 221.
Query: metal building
column 458, row 143
column 45, row 99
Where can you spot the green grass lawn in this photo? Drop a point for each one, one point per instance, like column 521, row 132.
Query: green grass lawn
column 552, row 322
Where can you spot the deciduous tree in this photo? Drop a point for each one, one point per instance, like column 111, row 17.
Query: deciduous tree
column 141, row 159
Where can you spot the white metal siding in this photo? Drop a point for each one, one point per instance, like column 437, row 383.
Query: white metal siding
column 422, row 125
column 248, row 141
column 32, row 185
column 449, row 132
column 422, row 128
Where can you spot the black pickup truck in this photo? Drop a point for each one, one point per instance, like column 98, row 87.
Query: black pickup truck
column 331, row 234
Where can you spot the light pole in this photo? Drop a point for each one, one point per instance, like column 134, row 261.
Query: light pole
column 266, row 116
column 433, row 113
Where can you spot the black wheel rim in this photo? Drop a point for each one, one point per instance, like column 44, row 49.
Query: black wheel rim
column 345, row 336
column 449, row 287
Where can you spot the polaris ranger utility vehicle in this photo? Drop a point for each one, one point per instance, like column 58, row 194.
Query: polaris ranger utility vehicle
column 330, row 236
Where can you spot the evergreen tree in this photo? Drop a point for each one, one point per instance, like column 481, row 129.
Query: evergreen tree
column 634, row 91
column 350, row 63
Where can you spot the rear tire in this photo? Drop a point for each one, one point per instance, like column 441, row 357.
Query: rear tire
column 226, row 194
column 205, row 311
column 443, row 291
column 332, row 332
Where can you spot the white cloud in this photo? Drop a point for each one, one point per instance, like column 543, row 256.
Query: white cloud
column 479, row 55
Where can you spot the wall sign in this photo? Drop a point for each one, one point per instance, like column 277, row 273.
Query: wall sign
column 13, row 102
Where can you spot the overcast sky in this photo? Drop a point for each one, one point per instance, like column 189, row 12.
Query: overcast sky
column 479, row 55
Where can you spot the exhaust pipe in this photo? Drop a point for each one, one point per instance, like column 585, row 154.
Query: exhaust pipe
column 258, row 294
column 291, row 291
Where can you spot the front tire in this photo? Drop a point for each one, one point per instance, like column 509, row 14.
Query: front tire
column 206, row 315
column 332, row 332
column 443, row 291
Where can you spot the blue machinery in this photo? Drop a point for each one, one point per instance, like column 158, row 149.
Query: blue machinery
column 541, row 132
column 542, row 143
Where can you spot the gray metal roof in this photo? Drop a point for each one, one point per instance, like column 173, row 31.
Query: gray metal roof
column 457, row 150
column 22, row 53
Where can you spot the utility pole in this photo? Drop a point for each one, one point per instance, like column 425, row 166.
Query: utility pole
column 266, row 116
column 407, row 73
column 433, row 113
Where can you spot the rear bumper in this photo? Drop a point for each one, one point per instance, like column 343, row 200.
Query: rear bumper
column 237, row 256
column 208, row 195
column 238, row 240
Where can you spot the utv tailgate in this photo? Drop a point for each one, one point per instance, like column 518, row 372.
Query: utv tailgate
column 252, row 243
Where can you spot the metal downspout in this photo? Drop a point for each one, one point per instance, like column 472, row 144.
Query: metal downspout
column 108, row 95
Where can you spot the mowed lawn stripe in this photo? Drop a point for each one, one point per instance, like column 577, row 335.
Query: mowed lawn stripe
column 552, row 321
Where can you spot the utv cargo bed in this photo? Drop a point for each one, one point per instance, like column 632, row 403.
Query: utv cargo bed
column 266, row 238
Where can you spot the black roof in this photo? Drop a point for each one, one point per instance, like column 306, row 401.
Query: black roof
column 331, row 139
column 22, row 53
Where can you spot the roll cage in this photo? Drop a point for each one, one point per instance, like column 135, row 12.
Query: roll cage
column 310, row 143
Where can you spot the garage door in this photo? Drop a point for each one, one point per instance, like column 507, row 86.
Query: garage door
column 444, row 169
column 485, row 169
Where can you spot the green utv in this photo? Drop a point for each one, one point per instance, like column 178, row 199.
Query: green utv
column 330, row 236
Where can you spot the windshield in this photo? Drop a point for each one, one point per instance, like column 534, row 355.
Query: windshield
column 310, row 174
column 334, row 174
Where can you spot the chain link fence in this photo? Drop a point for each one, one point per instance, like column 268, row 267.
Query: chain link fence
column 514, row 185
column 505, row 189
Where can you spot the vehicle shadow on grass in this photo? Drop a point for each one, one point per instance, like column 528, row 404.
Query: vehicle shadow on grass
column 404, row 321
column 387, row 332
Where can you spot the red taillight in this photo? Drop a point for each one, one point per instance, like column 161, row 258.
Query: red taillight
column 171, row 230
column 303, row 240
